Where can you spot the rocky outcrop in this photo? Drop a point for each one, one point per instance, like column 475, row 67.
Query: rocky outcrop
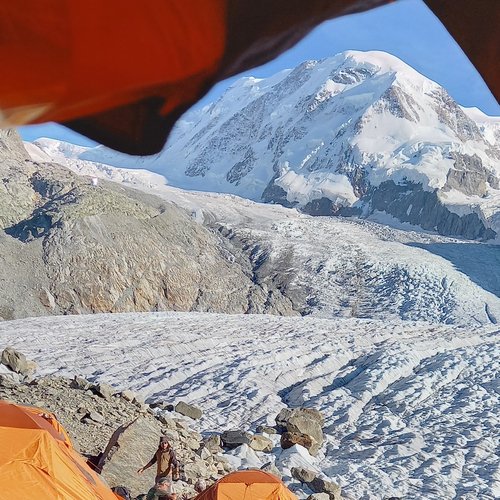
column 17, row 361
column 188, row 410
column 79, row 248
column 409, row 202
column 301, row 426
column 130, row 447
column 469, row 176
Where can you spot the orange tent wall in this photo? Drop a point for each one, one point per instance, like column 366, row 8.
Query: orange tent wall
column 247, row 485
column 38, row 461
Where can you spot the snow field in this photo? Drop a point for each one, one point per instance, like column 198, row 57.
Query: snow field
column 411, row 408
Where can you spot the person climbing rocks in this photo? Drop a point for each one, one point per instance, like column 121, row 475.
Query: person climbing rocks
column 165, row 460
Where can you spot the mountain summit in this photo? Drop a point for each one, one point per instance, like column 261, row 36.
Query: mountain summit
column 356, row 134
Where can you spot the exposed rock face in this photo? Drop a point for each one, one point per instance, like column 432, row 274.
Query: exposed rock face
column 469, row 176
column 131, row 446
column 85, row 249
column 411, row 203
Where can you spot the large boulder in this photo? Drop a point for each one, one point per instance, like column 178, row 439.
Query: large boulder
column 213, row 443
column 104, row 390
column 9, row 379
column 188, row 410
column 305, row 421
column 319, row 485
column 130, row 447
column 261, row 443
column 195, row 470
column 289, row 439
column 17, row 361
column 303, row 475
column 234, row 438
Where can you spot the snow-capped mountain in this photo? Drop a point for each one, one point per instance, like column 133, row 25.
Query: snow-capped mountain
column 353, row 134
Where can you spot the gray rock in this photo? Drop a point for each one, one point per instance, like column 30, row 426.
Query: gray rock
column 104, row 390
column 234, row 438
column 319, row 496
column 80, row 383
column 167, row 421
column 9, row 379
column 204, row 453
column 266, row 429
column 319, row 485
column 128, row 395
column 188, row 410
column 213, row 443
column 96, row 417
column 287, row 414
column 162, row 405
column 171, row 435
column 192, row 444
column 303, row 475
column 195, row 470
column 15, row 360
column 305, row 422
column 47, row 299
column 131, row 447
column 272, row 469
column 261, row 443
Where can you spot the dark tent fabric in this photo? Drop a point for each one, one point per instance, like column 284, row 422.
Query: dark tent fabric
column 122, row 72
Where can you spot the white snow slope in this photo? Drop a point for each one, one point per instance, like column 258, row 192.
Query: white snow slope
column 412, row 409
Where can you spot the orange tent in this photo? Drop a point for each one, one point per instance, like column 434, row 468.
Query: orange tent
column 247, row 485
column 122, row 71
column 38, row 461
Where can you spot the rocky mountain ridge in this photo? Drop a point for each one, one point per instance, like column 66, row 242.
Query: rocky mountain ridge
column 67, row 246
column 355, row 134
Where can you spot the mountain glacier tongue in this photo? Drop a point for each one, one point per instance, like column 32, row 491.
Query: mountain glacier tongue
column 356, row 134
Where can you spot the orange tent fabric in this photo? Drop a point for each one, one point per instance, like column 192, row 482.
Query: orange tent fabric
column 38, row 461
column 122, row 72
column 247, row 485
